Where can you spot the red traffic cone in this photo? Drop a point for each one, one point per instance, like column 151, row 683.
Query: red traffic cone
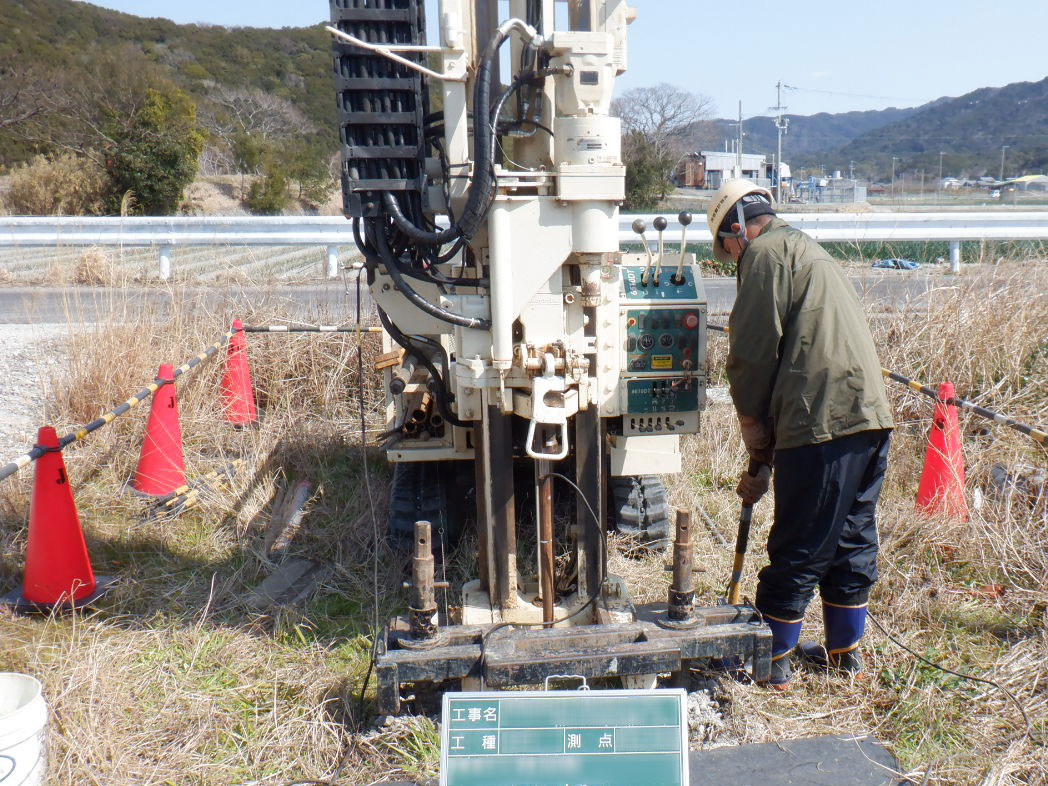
column 57, row 568
column 942, row 481
column 161, row 465
column 238, row 398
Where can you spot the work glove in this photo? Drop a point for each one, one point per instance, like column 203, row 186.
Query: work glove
column 758, row 438
column 752, row 487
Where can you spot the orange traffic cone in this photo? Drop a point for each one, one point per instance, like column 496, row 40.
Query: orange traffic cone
column 57, row 568
column 161, row 465
column 942, row 481
column 238, row 399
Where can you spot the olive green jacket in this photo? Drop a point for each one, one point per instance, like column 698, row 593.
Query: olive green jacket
column 800, row 352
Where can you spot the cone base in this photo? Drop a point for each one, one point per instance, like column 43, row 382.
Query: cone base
column 17, row 602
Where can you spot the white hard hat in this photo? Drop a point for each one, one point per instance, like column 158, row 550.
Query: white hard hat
column 724, row 201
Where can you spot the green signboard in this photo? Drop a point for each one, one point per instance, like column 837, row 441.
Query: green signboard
column 565, row 738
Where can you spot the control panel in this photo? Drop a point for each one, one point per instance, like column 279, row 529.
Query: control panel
column 662, row 318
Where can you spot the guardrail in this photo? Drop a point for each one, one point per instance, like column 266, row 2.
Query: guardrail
column 164, row 233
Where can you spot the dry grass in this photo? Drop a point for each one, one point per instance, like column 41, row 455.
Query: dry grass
column 174, row 681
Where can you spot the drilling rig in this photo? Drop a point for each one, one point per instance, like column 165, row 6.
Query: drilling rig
column 483, row 176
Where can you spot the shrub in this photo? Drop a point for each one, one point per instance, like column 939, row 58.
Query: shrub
column 155, row 152
column 269, row 194
column 66, row 184
column 647, row 170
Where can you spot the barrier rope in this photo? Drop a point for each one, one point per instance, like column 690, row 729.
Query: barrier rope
column 25, row 459
column 1034, row 433
column 318, row 329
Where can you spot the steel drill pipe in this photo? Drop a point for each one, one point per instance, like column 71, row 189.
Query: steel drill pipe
column 423, row 594
column 546, row 566
column 682, row 591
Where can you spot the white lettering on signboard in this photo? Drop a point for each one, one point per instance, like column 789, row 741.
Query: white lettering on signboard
column 574, row 741
column 488, row 741
column 606, row 741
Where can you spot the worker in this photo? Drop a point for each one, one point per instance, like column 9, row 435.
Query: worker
column 810, row 399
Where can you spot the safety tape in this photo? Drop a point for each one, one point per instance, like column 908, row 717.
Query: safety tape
column 1034, row 433
column 25, row 459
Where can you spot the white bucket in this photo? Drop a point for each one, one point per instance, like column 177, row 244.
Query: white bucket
column 23, row 720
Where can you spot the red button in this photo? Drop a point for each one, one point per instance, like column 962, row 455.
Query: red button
column 690, row 321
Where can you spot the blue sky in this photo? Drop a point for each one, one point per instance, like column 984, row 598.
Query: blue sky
column 844, row 55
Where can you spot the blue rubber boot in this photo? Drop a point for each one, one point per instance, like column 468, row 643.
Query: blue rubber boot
column 845, row 626
column 784, row 635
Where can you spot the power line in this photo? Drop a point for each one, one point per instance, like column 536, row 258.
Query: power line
column 850, row 95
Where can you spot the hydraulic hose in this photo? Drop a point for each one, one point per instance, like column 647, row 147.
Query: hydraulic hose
column 392, row 267
column 440, row 395
column 481, row 187
column 417, row 234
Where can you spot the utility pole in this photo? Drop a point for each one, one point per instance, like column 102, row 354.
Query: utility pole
column 738, row 145
column 851, row 170
column 894, row 159
column 782, row 125
column 1003, row 148
column 939, row 187
column 922, row 185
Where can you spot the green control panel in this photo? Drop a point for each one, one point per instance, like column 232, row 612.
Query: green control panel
column 662, row 387
column 668, row 287
column 680, row 394
column 664, row 340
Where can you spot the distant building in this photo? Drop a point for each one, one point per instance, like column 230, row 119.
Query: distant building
column 710, row 168
column 831, row 189
column 727, row 166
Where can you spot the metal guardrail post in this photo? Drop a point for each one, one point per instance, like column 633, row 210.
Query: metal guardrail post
column 332, row 261
column 165, row 262
column 955, row 256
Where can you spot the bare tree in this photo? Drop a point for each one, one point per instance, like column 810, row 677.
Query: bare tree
column 664, row 115
column 229, row 111
column 81, row 111
column 20, row 97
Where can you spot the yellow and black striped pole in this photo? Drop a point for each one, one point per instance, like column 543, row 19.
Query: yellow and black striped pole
column 30, row 456
column 1034, row 433
column 989, row 414
column 318, row 329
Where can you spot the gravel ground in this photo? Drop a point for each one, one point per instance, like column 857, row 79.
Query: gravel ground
column 30, row 357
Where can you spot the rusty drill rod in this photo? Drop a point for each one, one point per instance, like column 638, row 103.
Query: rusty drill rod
column 546, row 578
column 741, row 542
column 423, row 596
column 682, row 591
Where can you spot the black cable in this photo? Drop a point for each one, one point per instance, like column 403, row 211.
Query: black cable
column 419, row 235
column 442, row 395
column 393, row 269
column 371, row 504
column 997, row 685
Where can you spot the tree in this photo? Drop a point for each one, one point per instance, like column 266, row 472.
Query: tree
column 20, row 96
column 154, row 152
column 119, row 112
column 306, row 161
column 664, row 114
column 657, row 125
column 646, row 168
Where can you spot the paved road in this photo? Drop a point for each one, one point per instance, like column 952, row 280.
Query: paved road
column 325, row 302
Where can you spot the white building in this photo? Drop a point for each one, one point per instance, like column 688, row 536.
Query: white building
column 721, row 166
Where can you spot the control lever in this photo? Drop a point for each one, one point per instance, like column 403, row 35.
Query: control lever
column 685, row 219
column 639, row 226
column 660, row 225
